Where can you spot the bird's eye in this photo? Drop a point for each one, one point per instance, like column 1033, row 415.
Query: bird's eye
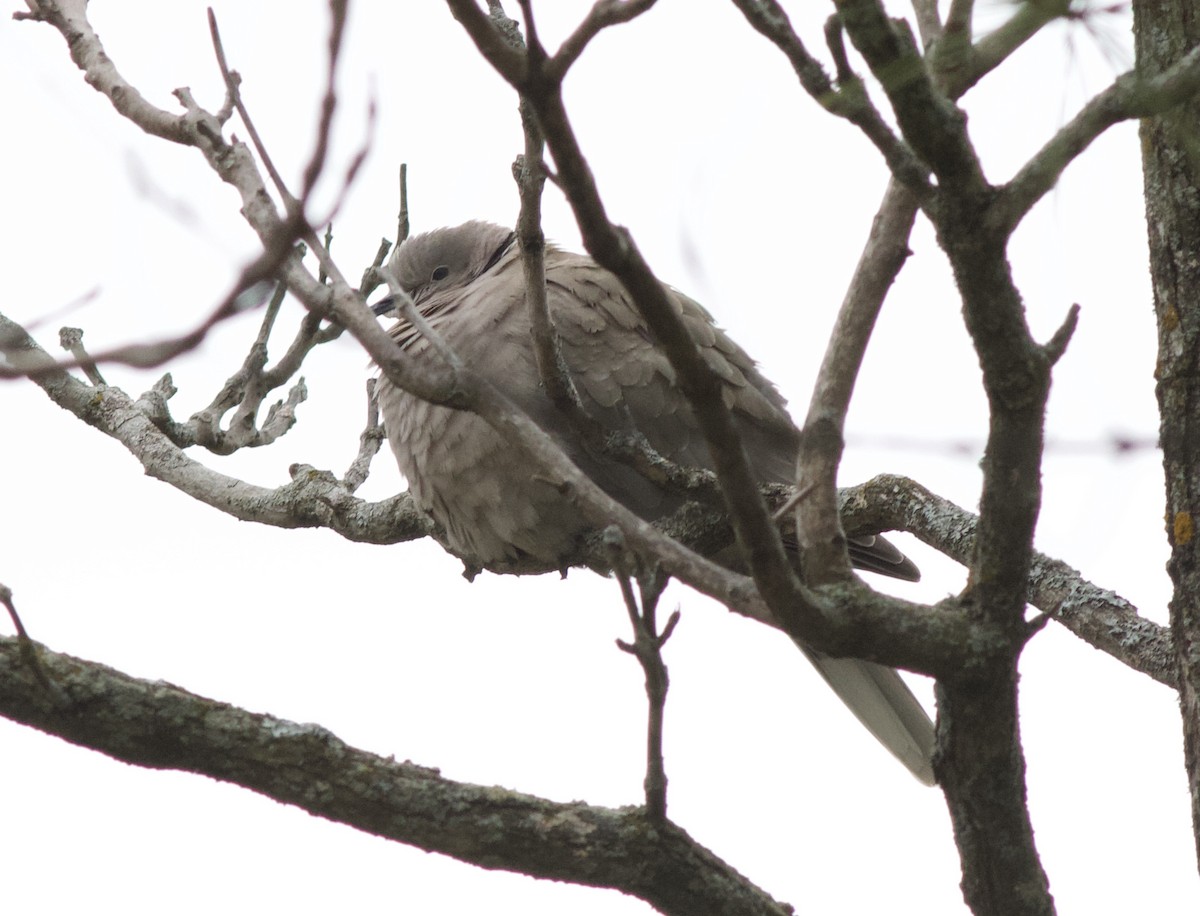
column 440, row 273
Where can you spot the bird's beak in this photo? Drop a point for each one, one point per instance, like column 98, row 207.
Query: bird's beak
column 384, row 306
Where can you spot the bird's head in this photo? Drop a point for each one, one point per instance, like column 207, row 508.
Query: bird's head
column 449, row 259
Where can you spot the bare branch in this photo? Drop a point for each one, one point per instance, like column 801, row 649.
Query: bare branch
column 929, row 23
column 1130, row 96
column 508, row 61
column 959, row 18
column 647, row 649
column 1096, row 615
column 316, row 162
column 312, row 499
column 817, row 519
column 1056, row 346
column 849, row 100
column 244, row 295
column 369, row 443
column 26, row 647
column 71, row 340
column 529, row 171
column 931, row 124
column 153, row 724
column 233, row 93
column 69, row 18
column 996, row 47
column 402, row 216
column 604, row 13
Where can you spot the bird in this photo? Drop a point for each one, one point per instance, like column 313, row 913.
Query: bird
column 467, row 283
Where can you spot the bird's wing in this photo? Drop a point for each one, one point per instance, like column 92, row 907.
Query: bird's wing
column 626, row 378
column 628, row 383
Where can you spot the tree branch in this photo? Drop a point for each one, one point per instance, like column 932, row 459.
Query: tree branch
column 1130, row 96
column 604, row 13
column 647, row 649
column 821, row 443
column 312, row 499
column 849, row 100
column 154, row 724
column 931, row 124
column 994, row 48
column 1097, row 615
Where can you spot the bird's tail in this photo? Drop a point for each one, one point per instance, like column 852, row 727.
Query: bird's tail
column 884, row 704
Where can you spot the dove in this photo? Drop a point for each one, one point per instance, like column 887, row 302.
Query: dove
column 467, row 282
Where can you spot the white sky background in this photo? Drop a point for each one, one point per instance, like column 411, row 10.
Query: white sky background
column 742, row 193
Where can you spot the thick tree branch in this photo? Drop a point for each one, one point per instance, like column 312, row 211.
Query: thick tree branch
column 931, row 124
column 508, row 60
column 154, row 724
column 978, row 730
column 1095, row 614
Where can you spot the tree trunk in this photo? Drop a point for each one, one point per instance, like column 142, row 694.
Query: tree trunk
column 1164, row 31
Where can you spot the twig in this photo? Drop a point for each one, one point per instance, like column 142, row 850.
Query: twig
column 234, row 95
column 71, row 340
column 310, row 500
column 28, row 651
column 402, row 216
column 530, row 172
column 244, row 295
column 647, row 649
column 834, row 40
column 369, row 443
column 959, row 18
column 1056, row 346
column 530, row 175
column 798, row 496
column 316, row 161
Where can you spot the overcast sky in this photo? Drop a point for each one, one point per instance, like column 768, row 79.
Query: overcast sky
column 742, row 193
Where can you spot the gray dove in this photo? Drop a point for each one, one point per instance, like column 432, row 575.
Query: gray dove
column 467, row 282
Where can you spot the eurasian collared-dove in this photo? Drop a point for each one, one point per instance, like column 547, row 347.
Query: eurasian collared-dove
column 468, row 283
